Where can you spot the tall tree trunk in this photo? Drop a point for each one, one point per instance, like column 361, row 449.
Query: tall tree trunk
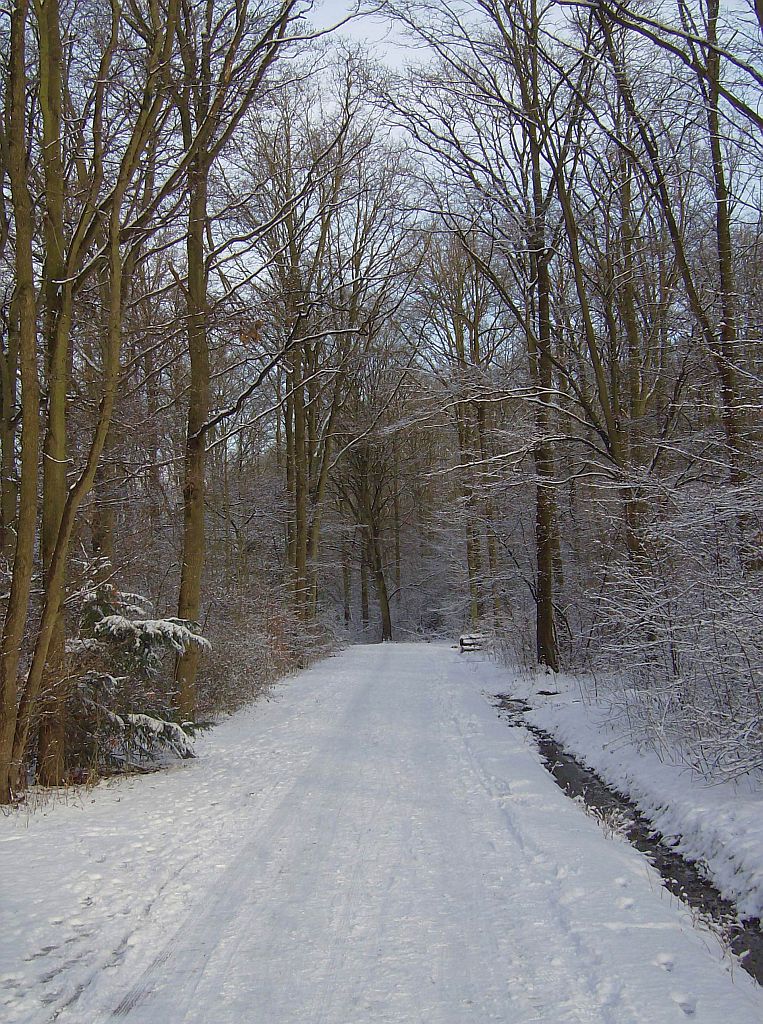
column 346, row 585
column 57, row 297
column 543, row 450
column 288, row 417
column 318, row 494
column 364, row 605
column 8, row 433
column 56, row 577
column 301, row 483
column 473, row 559
column 397, row 530
column 382, row 594
column 725, row 353
column 189, row 599
column 526, row 52
column 489, row 513
column 23, row 562
column 109, row 214
column 473, row 569
column 102, row 517
column 634, row 506
column 373, row 545
column 718, row 342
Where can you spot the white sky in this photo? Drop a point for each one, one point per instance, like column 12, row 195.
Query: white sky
column 375, row 31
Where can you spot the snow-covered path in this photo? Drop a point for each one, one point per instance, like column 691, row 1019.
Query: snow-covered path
column 373, row 845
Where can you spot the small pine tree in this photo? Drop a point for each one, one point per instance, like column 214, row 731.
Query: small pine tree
column 122, row 701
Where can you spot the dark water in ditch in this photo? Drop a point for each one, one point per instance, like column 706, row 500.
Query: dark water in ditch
column 680, row 877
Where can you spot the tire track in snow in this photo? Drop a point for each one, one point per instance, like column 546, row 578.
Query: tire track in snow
column 282, row 807
column 379, row 849
column 539, row 869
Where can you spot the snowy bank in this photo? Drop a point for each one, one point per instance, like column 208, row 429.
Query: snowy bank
column 720, row 827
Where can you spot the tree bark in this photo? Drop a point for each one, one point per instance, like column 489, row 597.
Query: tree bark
column 543, row 451
column 364, row 605
column 23, row 561
column 56, row 577
column 57, row 297
column 192, row 567
column 9, row 365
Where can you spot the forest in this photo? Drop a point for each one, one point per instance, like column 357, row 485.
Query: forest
column 303, row 344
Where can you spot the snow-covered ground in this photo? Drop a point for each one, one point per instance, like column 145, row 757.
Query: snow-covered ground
column 373, row 845
column 720, row 826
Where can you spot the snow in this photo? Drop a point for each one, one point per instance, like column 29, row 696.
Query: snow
column 148, row 632
column 373, row 846
column 159, row 733
column 720, row 825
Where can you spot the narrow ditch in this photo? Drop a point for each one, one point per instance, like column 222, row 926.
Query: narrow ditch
column 681, row 877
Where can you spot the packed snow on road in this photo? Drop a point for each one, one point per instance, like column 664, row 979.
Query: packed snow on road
column 373, row 844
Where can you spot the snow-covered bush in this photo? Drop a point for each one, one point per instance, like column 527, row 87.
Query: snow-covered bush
column 122, row 697
column 683, row 623
column 257, row 642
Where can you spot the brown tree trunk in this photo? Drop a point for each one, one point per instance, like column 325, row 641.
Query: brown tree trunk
column 8, row 433
column 397, row 530
column 634, row 507
column 23, row 561
column 318, row 494
column 55, row 579
column 58, row 299
column 192, row 567
column 102, row 518
column 718, row 342
column 300, row 488
column 288, row 414
column 382, row 594
column 364, row 608
column 543, row 451
column 58, row 302
column 346, row 586
column 473, row 559
column 725, row 353
column 489, row 511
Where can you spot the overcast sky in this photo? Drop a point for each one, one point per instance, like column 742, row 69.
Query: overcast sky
column 374, row 31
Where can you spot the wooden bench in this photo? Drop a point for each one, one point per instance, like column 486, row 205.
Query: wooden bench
column 473, row 642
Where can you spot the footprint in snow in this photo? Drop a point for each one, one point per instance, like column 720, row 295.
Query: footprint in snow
column 42, row 951
column 48, row 998
column 665, row 961
column 687, row 1003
